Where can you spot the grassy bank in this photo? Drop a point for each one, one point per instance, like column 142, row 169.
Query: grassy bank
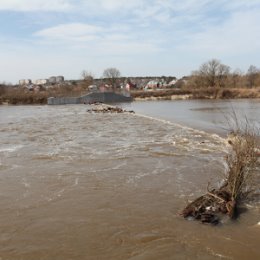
column 22, row 98
column 203, row 93
column 18, row 96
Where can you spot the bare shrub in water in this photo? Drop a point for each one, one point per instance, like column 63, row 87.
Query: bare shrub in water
column 240, row 176
column 242, row 160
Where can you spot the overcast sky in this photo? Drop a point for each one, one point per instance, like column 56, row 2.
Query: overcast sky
column 41, row 38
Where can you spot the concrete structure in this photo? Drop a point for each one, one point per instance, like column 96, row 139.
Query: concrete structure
column 63, row 100
column 105, row 97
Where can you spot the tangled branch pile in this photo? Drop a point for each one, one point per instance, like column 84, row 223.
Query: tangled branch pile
column 241, row 169
column 104, row 108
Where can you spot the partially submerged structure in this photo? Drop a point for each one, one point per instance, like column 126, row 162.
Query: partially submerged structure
column 95, row 97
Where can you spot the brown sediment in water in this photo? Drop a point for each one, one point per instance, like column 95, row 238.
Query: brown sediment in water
column 77, row 185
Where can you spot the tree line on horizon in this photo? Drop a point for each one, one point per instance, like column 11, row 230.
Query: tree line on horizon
column 215, row 74
column 212, row 73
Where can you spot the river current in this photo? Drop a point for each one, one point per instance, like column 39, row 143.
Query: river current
column 76, row 185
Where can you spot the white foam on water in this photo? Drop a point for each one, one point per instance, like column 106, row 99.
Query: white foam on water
column 56, row 195
column 108, row 169
column 198, row 133
column 11, row 149
column 26, row 183
column 76, row 182
column 140, row 175
column 217, row 254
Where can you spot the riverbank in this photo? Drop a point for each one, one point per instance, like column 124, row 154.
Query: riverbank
column 208, row 93
column 20, row 97
column 25, row 98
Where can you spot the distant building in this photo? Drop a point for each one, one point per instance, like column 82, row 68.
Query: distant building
column 152, row 84
column 173, row 82
column 40, row 81
column 24, row 82
column 59, row 79
column 37, row 82
column 52, row 80
column 93, row 88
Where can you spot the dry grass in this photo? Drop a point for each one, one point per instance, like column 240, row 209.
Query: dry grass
column 19, row 96
column 201, row 93
column 242, row 160
column 22, row 96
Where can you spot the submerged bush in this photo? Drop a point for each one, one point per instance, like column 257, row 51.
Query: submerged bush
column 241, row 177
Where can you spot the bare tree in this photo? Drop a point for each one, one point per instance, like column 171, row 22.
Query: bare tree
column 252, row 74
column 197, row 80
column 213, row 73
column 111, row 75
column 87, row 77
column 2, row 89
column 236, row 78
column 222, row 74
column 208, row 71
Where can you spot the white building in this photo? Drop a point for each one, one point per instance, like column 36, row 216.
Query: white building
column 23, row 82
column 40, row 81
column 59, row 79
column 52, row 80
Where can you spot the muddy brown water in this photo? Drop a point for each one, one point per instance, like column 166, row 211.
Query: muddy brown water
column 75, row 185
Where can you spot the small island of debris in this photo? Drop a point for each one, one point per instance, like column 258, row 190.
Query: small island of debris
column 104, row 108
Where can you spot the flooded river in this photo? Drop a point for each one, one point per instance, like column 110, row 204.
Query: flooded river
column 75, row 185
column 209, row 115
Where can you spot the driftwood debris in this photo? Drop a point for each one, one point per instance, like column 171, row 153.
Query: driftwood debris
column 103, row 108
column 209, row 207
column 241, row 164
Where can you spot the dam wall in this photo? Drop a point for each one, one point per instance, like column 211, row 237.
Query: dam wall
column 102, row 97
